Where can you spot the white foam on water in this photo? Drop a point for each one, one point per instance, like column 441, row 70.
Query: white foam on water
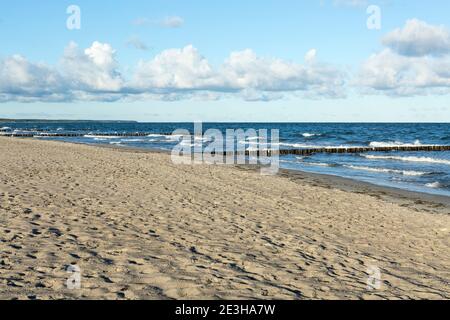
column 190, row 144
column 434, row 185
column 174, row 137
column 296, row 145
column 155, row 135
column 309, row 146
column 309, row 135
column 319, row 164
column 243, row 142
column 132, row 140
column 170, row 137
column 286, row 161
column 377, row 144
column 408, row 159
column 385, row 170
column 247, row 139
column 93, row 136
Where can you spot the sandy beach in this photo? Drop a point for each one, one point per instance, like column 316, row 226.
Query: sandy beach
column 140, row 227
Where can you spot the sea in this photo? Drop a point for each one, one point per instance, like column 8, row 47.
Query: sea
column 426, row 172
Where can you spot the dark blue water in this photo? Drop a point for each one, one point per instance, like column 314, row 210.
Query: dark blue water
column 427, row 172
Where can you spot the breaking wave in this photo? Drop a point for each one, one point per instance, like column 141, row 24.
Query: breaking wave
column 409, row 159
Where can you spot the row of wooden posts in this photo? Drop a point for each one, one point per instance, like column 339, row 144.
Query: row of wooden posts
column 307, row 151
column 70, row 135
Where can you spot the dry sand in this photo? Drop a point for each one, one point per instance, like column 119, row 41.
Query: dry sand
column 139, row 226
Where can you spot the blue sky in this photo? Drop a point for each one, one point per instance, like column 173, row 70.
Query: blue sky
column 249, row 60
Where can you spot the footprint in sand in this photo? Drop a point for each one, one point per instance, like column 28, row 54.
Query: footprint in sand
column 36, row 232
column 55, row 231
column 106, row 279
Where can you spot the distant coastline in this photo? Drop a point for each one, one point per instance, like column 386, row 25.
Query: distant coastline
column 4, row 120
column 65, row 121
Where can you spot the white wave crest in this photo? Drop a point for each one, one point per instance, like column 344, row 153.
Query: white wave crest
column 309, row 135
column 318, row 164
column 385, row 170
column 309, row 146
column 377, row 144
column 434, row 185
column 132, row 140
column 100, row 137
column 409, row 159
column 174, row 137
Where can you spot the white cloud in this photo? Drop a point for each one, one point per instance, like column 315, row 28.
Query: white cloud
column 417, row 38
column 310, row 56
column 94, row 69
column 245, row 70
column 167, row 22
column 91, row 74
column 175, row 69
column 172, row 22
column 23, row 80
column 137, row 43
column 94, row 74
column 412, row 64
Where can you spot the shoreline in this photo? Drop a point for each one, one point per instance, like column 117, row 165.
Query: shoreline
column 432, row 202
column 436, row 203
column 140, row 227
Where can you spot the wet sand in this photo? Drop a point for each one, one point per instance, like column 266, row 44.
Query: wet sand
column 140, row 227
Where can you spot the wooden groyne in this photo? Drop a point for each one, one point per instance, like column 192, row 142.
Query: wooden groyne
column 365, row 149
column 310, row 151
column 74, row 135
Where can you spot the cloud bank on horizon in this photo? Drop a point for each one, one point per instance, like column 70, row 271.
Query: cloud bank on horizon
column 415, row 61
